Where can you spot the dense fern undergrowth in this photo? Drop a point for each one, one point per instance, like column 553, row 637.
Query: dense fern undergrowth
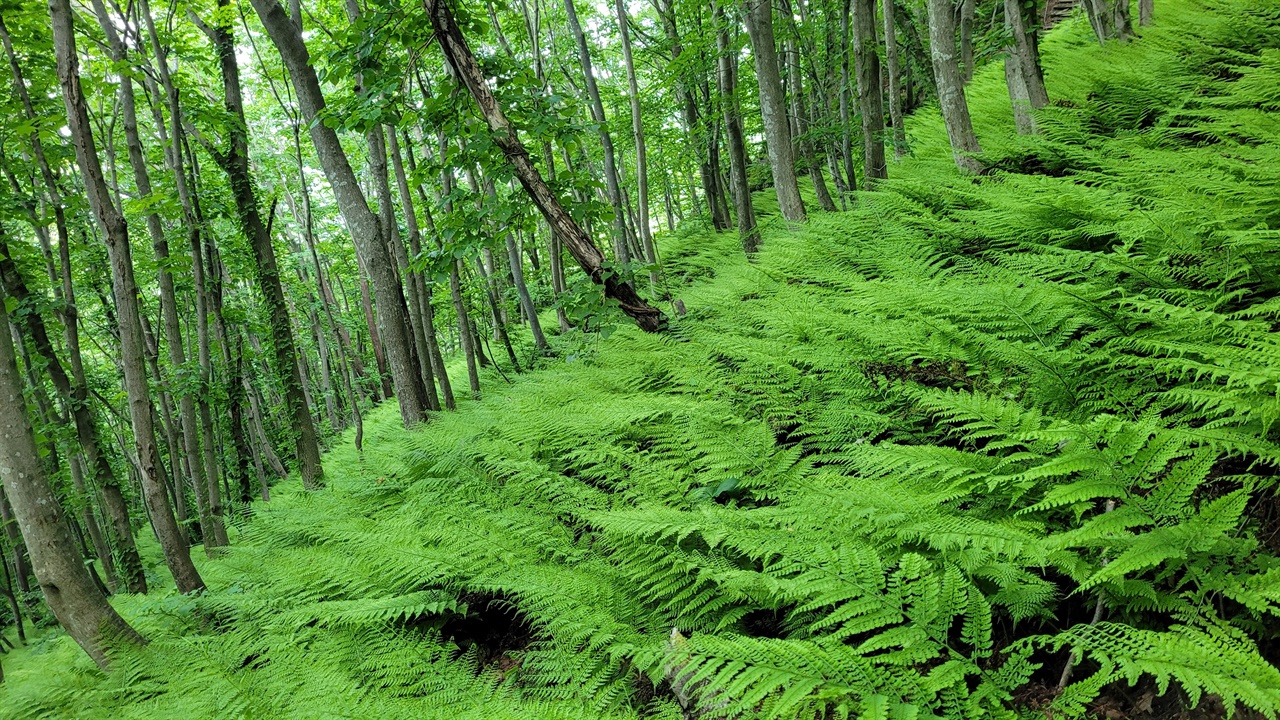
column 913, row 462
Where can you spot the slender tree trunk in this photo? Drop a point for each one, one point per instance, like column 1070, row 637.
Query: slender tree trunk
column 14, row 607
column 174, row 157
column 951, row 98
column 125, row 289
column 692, row 123
column 516, row 266
column 16, row 287
column 892, row 69
column 846, row 93
column 1122, row 24
column 773, row 109
column 424, row 378
column 69, row 590
column 364, row 225
column 235, row 163
column 870, row 99
column 417, row 283
column 637, row 130
column 580, row 245
column 1025, row 51
column 1146, row 9
column 168, row 295
column 1100, row 19
column 21, row 558
column 612, row 184
column 103, row 476
column 727, row 62
column 967, row 8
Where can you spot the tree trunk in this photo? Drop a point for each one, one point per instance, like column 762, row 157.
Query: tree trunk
column 424, row 378
column 1122, row 24
column 951, row 98
column 235, row 163
column 612, row 184
column 417, row 283
column 727, row 62
column 966, row 39
column 364, row 226
column 124, row 288
column 846, row 92
column 192, row 221
column 800, row 116
column 103, row 476
column 517, row 276
column 870, row 99
column 773, row 109
column 168, row 295
column 21, row 558
column 893, row 70
column 1100, row 19
column 69, row 590
column 1146, row 9
column 1025, row 51
column 580, row 245
column 637, row 130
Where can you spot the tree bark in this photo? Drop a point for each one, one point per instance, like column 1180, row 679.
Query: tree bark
column 951, row 98
column 579, row 244
column 69, row 589
column 168, row 295
column 364, row 226
column 727, row 62
column 846, row 92
column 773, row 109
column 612, row 183
column 1025, row 51
column 966, row 39
column 103, row 476
column 424, row 380
column 235, row 163
column 417, row 284
column 195, row 242
column 870, row 99
column 893, row 70
column 1146, row 9
column 637, row 130
column 124, row 288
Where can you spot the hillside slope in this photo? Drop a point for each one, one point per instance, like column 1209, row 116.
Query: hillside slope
column 901, row 466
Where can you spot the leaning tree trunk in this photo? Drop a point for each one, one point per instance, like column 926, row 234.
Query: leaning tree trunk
column 361, row 222
column 124, row 288
column 114, row 508
column 951, row 98
column 417, row 282
column 235, row 162
column 773, row 109
column 577, row 241
column 168, row 294
column 870, row 99
column 69, row 589
column 193, row 221
column 727, row 62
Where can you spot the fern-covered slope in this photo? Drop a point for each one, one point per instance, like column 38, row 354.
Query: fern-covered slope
column 891, row 469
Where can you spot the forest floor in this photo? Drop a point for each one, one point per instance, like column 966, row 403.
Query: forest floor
column 531, row 554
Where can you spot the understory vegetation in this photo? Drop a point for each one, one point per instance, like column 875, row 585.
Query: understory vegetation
column 997, row 446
